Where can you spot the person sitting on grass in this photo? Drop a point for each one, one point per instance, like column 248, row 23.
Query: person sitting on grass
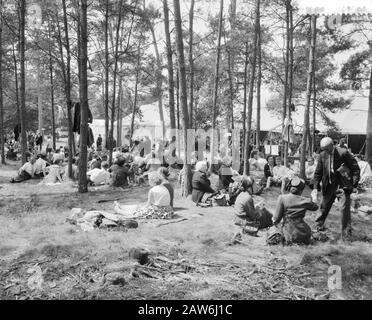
column 365, row 173
column 164, row 176
column 246, row 214
column 26, row 172
column 225, row 173
column 279, row 177
column 158, row 204
column 201, row 186
column 40, row 166
column 153, row 164
column 98, row 177
column 291, row 209
column 119, row 173
column 54, row 174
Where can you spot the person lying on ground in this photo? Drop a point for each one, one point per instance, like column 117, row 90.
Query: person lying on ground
column 158, row 201
column 55, row 173
column 26, row 172
column 246, row 214
column 40, row 166
column 280, row 175
column 119, row 173
column 200, row 182
column 164, row 176
column 291, row 209
column 99, row 176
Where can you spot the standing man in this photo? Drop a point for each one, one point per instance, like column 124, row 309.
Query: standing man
column 99, row 143
column 339, row 173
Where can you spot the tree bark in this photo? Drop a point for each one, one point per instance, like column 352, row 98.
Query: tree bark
column 170, row 66
column 191, row 61
column 16, row 85
column 369, row 125
column 246, row 64
column 52, row 88
column 259, row 80
column 217, row 67
column 119, row 118
column 107, row 75
column 134, row 107
column 231, row 61
column 183, row 98
column 306, row 126
column 71, row 137
column 251, row 89
column 22, row 89
column 2, row 142
column 83, row 53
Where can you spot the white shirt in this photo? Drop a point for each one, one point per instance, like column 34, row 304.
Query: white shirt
column 310, row 170
column 29, row 168
column 49, row 144
column 365, row 170
column 159, row 196
column 39, row 166
column 280, row 172
column 99, row 176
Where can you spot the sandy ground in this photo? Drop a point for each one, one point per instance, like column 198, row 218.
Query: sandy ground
column 190, row 259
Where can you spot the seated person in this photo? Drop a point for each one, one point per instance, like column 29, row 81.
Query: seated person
column 153, row 164
column 214, row 177
column 158, row 201
column 365, row 172
column 54, row 174
column 58, row 155
column 201, row 186
column 40, row 166
column 268, row 171
column 253, row 161
column 225, row 173
column 261, row 162
column 291, row 209
column 11, row 154
column 310, row 167
column 98, row 176
column 119, row 173
column 75, row 170
column 26, row 172
column 245, row 211
column 164, row 176
column 280, row 175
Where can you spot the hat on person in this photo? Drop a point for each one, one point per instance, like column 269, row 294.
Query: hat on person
column 296, row 184
column 325, row 143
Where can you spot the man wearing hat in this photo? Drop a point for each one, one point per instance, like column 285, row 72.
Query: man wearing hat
column 339, row 173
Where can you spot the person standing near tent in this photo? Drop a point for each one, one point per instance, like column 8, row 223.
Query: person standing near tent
column 339, row 173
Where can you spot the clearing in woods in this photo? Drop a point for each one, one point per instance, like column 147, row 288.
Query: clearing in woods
column 191, row 258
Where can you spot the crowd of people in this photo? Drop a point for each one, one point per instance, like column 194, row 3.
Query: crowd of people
column 334, row 170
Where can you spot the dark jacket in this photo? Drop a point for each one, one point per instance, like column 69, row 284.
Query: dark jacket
column 225, row 177
column 340, row 157
column 200, row 185
column 267, row 171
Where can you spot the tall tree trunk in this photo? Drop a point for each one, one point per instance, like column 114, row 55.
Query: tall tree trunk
column 83, row 53
column 107, row 75
column 22, row 89
column 159, row 78
column 52, row 88
column 259, row 80
column 116, row 57
column 369, row 124
column 217, row 67
column 2, row 142
column 306, row 126
column 183, row 87
column 120, row 118
column 314, row 101
column 251, row 89
column 135, row 101
column 16, row 85
column 191, row 61
column 178, row 98
column 39, row 100
column 246, row 64
column 170, row 66
column 231, row 61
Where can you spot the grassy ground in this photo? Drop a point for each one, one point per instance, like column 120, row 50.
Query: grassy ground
column 192, row 259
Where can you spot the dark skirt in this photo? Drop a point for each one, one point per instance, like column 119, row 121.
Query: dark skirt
column 296, row 231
